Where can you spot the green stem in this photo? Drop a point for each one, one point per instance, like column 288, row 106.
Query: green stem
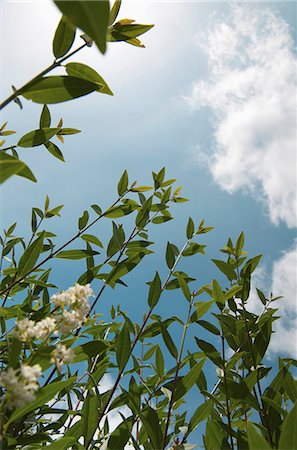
column 178, row 362
column 226, row 392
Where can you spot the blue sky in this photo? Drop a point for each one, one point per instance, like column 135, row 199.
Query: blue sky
column 212, row 98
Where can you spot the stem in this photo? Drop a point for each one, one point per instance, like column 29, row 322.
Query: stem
column 55, row 64
column 179, row 358
column 15, row 282
column 226, row 392
column 8, row 148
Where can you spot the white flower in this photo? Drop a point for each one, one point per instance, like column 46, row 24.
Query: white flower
column 20, row 385
column 74, row 295
column 62, row 355
column 44, row 328
column 24, row 330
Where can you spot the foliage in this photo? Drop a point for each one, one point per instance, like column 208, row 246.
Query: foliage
column 55, row 349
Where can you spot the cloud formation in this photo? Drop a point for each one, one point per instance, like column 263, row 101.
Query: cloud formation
column 252, row 93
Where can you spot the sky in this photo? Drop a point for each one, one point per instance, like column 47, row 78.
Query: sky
column 212, row 98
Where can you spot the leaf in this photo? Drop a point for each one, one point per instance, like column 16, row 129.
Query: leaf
column 288, row 437
column 114, row 11
column 97, row 209
column 209, row 327
column 10, row 165
column 90, row 416
column 123, row 346
column 119, row 211
column 43, row 395
column 194, row 248
column 58, row 88
column 62, row 444
column 188, row 381
column 30, row 256
column 217, row 292
column 154, row 291
column 161, row 219
column 76, row 254
column 123, row 183
column 184, row 286
column 159, row 360
column 64, row 37
column 45, row 118
column 92, row 17
column 37, row 137
column 256, row 440
column 151, row 424
column 168, row 341
column 170, row 255
column 92, row 239
column 201, row 413
column 226, row 268
column 120, row 436
column 85, row 72
column 239, row 245
column 210, row 351
column 54, row 150
column 190, row 228
column 83, row 220
column 201, row 309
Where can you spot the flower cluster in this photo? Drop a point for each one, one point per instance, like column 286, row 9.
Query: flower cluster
column 20, row 385
column 62, row 355
column 72, row 310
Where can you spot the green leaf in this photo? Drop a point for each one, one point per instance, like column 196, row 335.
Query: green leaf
column 256, row 440
column 151, row 423
column 119, row 211
column 188, row 380
column 154, row 291
column 9, row 312
column 161, row 219
column 226, row 268
column 201, row 309
column 45, row 118
column 201, row 413
column 37, row 137
column 210, row 351
column 217, row 292
column 184, row 286
column 209, row 327
column 168, row 341
column 159, row 360
column 92, row 239
column 30, row 256
column 90, row 416
column 90, row 349
column 170, row 255
column 194, row 248
column 44, row 395
column 190, row 228
column 85, row 72
column 76, row 254
column 54, row 150
column 83, row 220
column 123, row 346
column 114, row 11
column 239, row 245
column 97, row 209
column 120, row 436
column 92, row 17
column 57, row 89
column 288, row 437
column 62, row 444
column 64, row 37
column 123, row 183
column 9, row 165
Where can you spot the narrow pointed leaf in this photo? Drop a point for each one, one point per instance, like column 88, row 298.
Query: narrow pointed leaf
column 64, row 37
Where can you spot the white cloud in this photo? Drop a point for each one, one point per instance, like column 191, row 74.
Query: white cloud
column 281, row 282
column 252, row 92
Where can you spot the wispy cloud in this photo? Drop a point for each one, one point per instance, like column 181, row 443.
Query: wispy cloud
column 252, row 93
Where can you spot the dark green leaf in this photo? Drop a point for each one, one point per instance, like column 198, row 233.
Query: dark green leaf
column 92, row 239
column 190, row 228
column 151, row 424
column 90, row 415
column 208, row 326
column 45, row 118
column 30, row 256
column 123, row 346
column 194, row 248
column 201, row 413
column 123, row 183
column 120, row 436
column 9, row 165
column 37, row 137
column 64, row 37
column 154, row 291
column 288, row 437
column 85, row 72
column 239, row 245
column 168, row 341
column 226, row 268
column 83, row 220
column 184, row 286
column 54, row 150
column 201, row 309
column 159, row 362
column 170, row 255
column 210, row 351
column 76, row 254
column 92, row 17
column 57, row 89
column 256, row 440
column 217, row 292
column 114, row 11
